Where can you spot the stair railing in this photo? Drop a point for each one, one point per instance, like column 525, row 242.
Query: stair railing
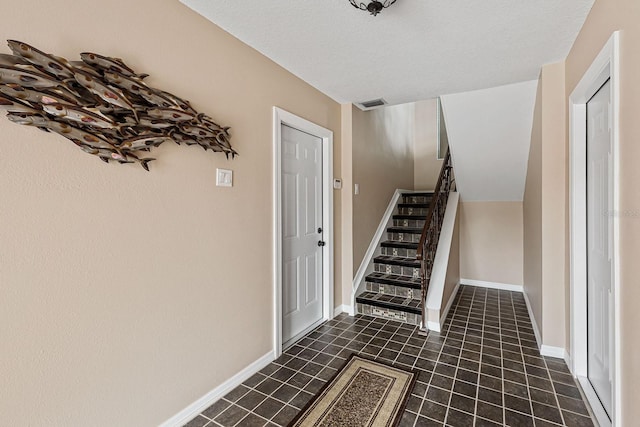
column 431, row 232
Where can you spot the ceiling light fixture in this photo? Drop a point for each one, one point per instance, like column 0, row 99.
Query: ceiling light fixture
column 374, row 7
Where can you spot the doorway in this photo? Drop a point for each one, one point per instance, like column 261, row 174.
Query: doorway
column 302, row 232
column 303, row 227
column 594, row 228
column 599, row 248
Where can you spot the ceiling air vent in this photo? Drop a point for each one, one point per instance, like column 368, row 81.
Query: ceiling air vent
column 370, row 105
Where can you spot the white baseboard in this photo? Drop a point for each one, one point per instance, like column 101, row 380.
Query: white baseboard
column 569, row 361
column 344, row 308
column 534, row 324
column 545, row 350
column 550, row 351
column 437, row 326
column 597, row 411
column 492, row 285
column 452, row 298
column 191, row 411
column 433, row 326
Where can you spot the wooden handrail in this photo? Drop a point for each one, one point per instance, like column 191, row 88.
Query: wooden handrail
column 431, row 232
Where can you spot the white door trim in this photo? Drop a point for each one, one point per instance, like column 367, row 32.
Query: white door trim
column 281, row 117
column 605, row 66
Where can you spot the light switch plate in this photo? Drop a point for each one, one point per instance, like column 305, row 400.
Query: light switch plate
column 224, row 178
column 337, row 183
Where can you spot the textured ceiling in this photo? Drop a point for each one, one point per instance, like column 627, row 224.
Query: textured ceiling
column 416, row 49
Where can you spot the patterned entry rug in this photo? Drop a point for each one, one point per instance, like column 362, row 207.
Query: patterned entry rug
column 364, row 392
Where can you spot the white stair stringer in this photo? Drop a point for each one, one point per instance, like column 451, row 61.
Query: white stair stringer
column 439, row 289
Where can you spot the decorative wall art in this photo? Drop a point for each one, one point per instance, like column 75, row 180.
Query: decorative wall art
column 101, row 105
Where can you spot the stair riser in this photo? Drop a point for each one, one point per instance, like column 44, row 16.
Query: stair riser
column 413, row 211
column 397, row 269
column 397, row 291
column 408, row 253
column 404, row 237
column 417, row 223
column 401, row 316
column 416, row 199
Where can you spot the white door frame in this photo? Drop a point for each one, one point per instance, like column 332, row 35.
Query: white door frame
column 281, row 117
column 605, row 66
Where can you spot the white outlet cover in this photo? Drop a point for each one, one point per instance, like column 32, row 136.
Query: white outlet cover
column 224, row 178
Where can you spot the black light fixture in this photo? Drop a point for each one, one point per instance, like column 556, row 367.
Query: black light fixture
column 374, row 7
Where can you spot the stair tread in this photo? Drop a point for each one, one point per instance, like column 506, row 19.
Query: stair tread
column 394, row 279
column 407, row 230
column 414, row 205
column 395, row 244
column 409, row 305
column 419, row 194
column 396, row 260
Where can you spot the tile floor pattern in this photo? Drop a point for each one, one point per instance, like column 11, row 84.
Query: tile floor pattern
column 483, row 369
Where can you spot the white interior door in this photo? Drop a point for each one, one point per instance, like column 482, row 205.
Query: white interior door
column 600, row 245
column 301, row 232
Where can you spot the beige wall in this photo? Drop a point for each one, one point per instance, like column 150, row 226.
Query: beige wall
column 544, row 210
column 115, row 282
column 426, row 165
column 346, row 197
column 605, row 17
column 532, row 214
column 382, row 149
column 491, row 242
column 554, row 212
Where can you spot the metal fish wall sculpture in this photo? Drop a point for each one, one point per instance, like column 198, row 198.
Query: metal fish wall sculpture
column 101, row 105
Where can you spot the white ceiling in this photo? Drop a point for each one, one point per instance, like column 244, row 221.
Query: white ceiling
column 414, row 50
column 489, row 134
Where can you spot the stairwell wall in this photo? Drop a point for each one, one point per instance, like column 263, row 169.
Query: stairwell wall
column 382, row 156
column 127, row 295
column 426, row 165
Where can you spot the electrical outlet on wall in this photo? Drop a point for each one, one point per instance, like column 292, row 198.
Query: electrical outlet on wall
column 356, row 189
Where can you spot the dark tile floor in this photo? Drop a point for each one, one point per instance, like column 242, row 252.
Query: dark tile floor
column 483, row 369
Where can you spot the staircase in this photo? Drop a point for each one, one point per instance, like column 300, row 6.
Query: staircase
column 392, row 291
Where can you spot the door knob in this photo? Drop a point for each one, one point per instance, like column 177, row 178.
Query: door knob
column 321, row 243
